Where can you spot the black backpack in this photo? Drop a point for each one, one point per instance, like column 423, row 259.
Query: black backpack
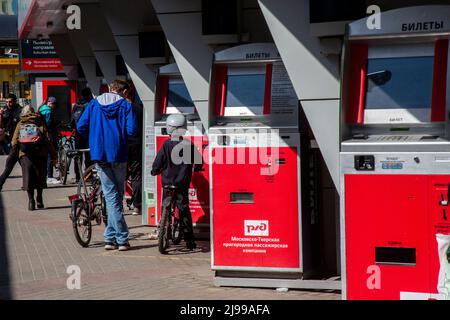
column 77, row 111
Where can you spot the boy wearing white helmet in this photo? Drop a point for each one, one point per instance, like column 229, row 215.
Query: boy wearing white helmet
column 175, row 162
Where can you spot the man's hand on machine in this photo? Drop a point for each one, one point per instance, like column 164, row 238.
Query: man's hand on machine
column 155, row 173
column 199, row 168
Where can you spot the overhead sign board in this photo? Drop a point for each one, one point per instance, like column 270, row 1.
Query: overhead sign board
column 39, row 55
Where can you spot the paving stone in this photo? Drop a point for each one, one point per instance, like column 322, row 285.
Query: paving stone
column 39, row 246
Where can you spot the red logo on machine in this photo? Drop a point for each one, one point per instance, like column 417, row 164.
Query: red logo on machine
column 256, row 228
column 193, row 194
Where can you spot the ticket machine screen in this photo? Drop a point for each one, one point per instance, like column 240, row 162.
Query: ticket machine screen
column 179, row 100
column 245, row 91
column 399, row 86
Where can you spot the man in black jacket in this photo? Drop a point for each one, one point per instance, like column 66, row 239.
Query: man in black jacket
column 81, row 143
column 11, row 117
column 175, row 161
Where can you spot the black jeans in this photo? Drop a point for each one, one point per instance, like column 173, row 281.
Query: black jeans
column 182, row 203
column 135, row 175
column 49, row 158
column 11, row 161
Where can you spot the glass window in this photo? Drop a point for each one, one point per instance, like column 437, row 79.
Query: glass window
column 245, row 90
column 179, row 97
column 399, row 83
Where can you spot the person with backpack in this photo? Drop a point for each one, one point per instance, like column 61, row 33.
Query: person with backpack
column 31, row 143
column 47, row 112
column 81, row 143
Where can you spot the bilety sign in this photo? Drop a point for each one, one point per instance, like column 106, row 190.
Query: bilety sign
column 39, row 55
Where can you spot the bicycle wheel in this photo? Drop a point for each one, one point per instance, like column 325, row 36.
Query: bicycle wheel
column 81, row 223
column 62, row 165
column 177, row 231
column 164, row 231
column 67, row 147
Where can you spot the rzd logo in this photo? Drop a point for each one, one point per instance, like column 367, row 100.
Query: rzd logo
column 256, row 227
column 193, row 194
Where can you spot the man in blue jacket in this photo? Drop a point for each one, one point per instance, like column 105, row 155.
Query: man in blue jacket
column 108, row 121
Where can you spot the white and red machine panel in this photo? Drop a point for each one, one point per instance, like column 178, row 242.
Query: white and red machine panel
column 255, row 163
column 395, row 157
column 173, row 97
column 65, row 92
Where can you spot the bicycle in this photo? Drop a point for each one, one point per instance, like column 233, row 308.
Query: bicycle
column 66, row 142
column 88, row 204
column 170, row 228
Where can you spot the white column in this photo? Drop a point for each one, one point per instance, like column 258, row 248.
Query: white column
column 125, row 22
column 315, row 76
column 66, row 53
column 101, row 40
column 181, row 21
column 86, row 58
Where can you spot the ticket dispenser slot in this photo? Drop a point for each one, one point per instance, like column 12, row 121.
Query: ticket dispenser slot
column 241, row 197
column 223, row 140
column 395, row 256
column 365, row 163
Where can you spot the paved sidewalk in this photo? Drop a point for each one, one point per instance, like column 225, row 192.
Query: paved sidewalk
column 36, row 248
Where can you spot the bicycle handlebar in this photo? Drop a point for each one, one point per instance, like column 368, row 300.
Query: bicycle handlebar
column 76, row 153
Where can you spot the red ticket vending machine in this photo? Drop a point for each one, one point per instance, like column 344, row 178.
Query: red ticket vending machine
column 395, row 157
column 255, row 168
column 172, row 98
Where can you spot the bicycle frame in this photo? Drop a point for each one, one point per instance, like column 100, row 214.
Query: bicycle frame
column 76, row 197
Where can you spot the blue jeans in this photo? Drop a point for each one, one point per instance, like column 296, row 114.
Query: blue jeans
column 112, row 177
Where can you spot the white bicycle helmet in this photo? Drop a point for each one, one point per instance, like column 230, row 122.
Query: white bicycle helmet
column 174, row 122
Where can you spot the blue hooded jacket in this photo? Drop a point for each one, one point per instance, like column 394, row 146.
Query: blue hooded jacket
column 108, row 121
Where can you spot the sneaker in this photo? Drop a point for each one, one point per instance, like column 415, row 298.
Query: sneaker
column 124, row 247
column 51, row 180
column 153, row 235
column 136, row 212
column 110, row 246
